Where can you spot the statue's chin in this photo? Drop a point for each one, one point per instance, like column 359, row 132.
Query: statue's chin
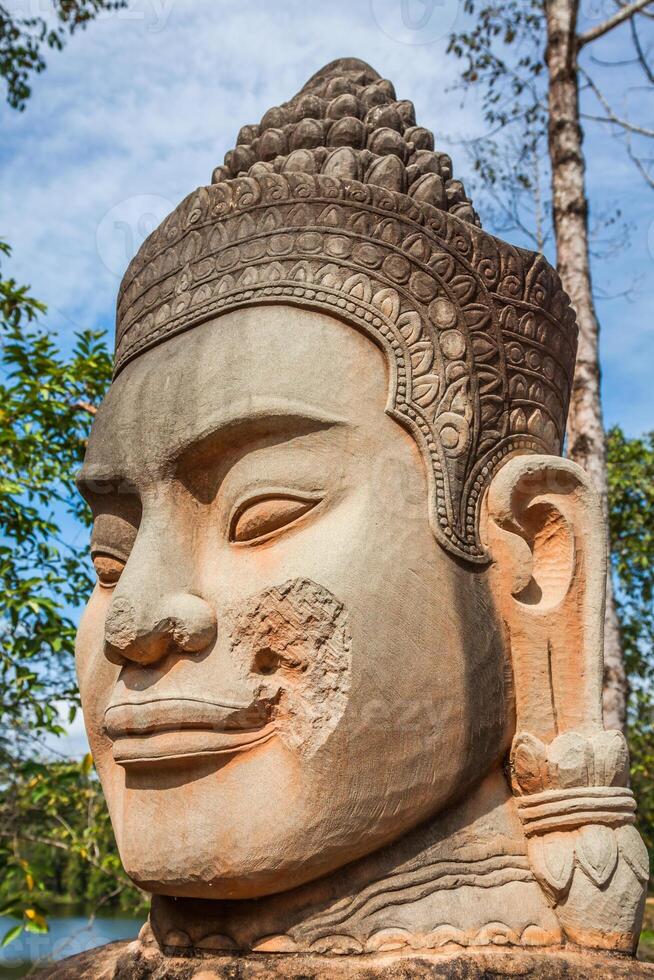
column 216, row 889
column 194, row 874
column 226, row 863
column 269, row 821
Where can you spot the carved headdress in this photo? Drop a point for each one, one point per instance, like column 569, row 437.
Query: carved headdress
column 338, row 202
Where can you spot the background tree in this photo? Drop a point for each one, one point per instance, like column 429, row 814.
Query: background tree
column 23, row 39
column 631, row 510
column 54, row 828
column 530, row 62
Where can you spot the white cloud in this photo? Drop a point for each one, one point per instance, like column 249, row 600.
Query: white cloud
column 144, row 103
column 147, row 101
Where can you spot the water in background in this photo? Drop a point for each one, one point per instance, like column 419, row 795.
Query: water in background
column 68, row 935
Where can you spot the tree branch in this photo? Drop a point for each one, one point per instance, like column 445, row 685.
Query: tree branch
column 85, row 407
column 610, row 114
column 62, row 846
column 613, row 64
column 614, row 121
column 600, row 29
column 641, row 54
column 640, row 167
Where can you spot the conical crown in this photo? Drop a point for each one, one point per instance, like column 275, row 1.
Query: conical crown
column 348, row 123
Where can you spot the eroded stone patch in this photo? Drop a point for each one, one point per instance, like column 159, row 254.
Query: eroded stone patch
column 295, row 642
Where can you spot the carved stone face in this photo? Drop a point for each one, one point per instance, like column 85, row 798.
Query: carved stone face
column 281, row 670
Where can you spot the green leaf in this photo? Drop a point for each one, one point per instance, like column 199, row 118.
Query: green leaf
column 12, row 934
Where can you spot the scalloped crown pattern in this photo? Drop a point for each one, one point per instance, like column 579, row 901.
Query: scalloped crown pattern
column 479, row 336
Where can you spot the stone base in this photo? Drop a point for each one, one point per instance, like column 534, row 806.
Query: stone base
column 131, row 961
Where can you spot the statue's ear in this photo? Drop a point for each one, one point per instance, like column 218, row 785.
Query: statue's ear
column 544, row 530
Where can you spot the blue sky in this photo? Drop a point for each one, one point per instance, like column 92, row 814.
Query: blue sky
column 140, row 107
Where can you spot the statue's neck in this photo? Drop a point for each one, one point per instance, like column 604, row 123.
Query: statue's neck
column 462, row 877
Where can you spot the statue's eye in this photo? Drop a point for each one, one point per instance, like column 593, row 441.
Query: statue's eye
column 107, row 568
column 112, row 539
column 259, row 520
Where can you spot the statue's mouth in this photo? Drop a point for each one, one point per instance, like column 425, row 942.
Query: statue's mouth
column 165, row 729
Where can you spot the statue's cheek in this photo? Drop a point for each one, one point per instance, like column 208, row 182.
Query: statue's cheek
column 96, row 675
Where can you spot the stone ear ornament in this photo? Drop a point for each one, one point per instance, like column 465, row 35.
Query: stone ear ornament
column 569, row 776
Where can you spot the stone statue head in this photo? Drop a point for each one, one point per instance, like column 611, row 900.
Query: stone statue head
column 341, row 565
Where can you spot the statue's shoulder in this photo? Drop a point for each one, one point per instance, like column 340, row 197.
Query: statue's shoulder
column 132, row 961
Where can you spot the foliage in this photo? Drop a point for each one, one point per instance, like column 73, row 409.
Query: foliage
column 631, row 503
column 46, row 401
column 502, row 61
column 48, row 809
column 57, row 844
column 55, row 837
column 502, row 53
column 22, row 40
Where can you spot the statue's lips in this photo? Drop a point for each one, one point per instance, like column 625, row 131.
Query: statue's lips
column 171, row 728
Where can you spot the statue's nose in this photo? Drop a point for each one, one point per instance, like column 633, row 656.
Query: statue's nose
column 180, row 623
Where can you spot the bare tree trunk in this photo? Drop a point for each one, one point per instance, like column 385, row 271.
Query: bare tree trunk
column 586, row 437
